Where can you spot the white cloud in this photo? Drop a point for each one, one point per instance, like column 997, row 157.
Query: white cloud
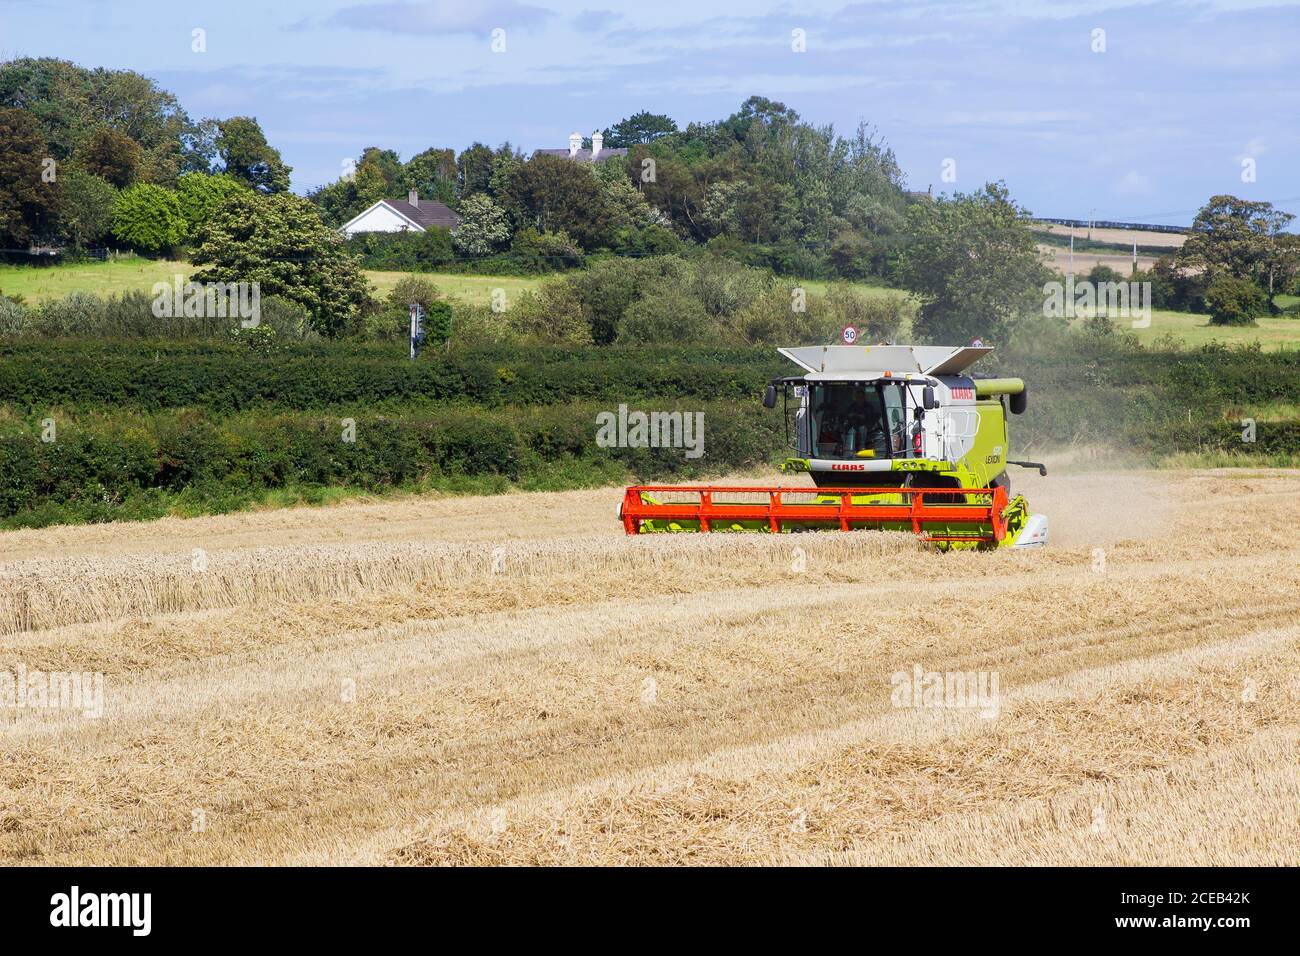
column 440, row 16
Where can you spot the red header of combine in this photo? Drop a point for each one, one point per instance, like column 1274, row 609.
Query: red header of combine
column 842, row 513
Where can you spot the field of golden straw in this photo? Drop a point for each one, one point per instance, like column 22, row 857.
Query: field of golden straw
column 512, row 680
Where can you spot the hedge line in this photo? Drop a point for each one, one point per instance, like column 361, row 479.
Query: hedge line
column 227, row 380
column 224, row 378
column 106, row 458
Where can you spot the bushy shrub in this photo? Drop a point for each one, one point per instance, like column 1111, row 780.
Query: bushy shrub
column 668, row 314
column 13, row 318
column 132, row 315
column 1233, row 301
column 426, row 251
column 554, row 313
column 1173, row 288
column 474, row 325
column 539, row 252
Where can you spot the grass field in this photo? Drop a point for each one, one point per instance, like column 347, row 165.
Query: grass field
column 37, row 285
column 476, row 290
column 102, row 278
column 511, row 680
column 1271, row 332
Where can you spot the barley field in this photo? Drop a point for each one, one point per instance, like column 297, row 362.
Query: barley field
column 511, row 680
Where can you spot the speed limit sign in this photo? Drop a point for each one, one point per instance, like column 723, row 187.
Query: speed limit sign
column 849, row 335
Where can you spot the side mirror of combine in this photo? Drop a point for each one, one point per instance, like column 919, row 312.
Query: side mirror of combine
column 769, row 397
column 927, row 397
column 1020, row 401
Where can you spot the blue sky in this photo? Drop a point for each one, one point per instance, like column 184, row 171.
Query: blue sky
column 1144, row 131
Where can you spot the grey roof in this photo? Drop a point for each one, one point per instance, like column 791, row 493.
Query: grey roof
column 583, row 155
column 428, row 214
column 847, row 361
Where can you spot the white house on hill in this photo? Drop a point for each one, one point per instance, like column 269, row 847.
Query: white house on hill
column 597, row 154
column 394, row 215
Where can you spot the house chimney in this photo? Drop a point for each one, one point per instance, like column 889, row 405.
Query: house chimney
column 575, row 144
column 597, row 141
column 413, row 198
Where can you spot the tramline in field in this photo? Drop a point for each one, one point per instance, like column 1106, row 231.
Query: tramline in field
column 895, row 437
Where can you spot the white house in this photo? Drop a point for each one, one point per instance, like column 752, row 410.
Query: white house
column 394, row 215
column 597, row 154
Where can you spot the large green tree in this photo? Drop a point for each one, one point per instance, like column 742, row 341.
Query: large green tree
column 553, row 194
column 112, row 156
column 29, row 189
column 974, row 265
column 200, row 195
column 474, row 170
column 86, row 217
column 280, row 242
column 432, row 174
column 350, row 194
column 642, row 127
column 148, row 218
column 72, row 103
column 1238, row 238
column 245, row 154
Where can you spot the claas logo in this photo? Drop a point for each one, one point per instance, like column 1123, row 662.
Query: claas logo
column 968, row 393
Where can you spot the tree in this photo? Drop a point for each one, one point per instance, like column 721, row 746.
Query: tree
column 554, row 194
column 280, row 242
column 200, row 195
column 1239, row 238
column 432, row 174
column 1234, row 301
column 71, row 103
column 246, row 155
column 377, row 175
column 148, row 218
column 484, row 227
column 388, row 165
column 974, row 265
column 112, row 156
column 29, row 200
column 474, row 170
column 639, row 128
column 199, row 146
column 678, row 188
column 88, row 204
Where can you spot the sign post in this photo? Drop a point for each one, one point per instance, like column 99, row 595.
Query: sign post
column 417, row 328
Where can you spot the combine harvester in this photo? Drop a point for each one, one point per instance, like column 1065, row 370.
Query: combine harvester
column 895, row 437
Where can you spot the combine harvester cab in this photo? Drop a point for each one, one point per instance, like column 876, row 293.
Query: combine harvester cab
column 895, row 438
